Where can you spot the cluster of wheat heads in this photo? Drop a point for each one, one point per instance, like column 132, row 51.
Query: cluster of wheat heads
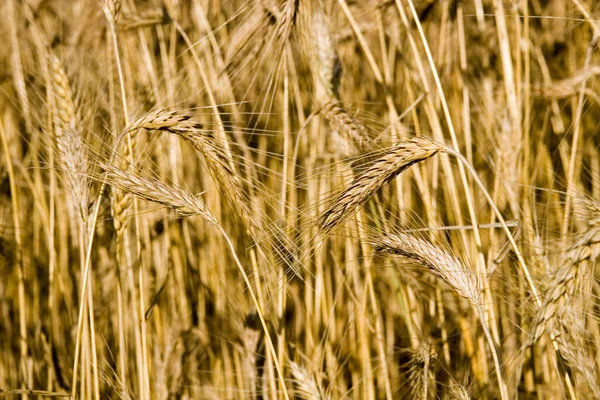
column 289, row 199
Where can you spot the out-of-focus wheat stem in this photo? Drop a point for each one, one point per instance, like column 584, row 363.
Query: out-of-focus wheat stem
column 575, row 141
column 23, row 347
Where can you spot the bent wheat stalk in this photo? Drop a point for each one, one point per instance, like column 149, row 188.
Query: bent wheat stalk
column 534, row 291
column 447, row 268
column 186, row 204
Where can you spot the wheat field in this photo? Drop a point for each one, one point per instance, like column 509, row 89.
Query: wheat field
column 299, row 199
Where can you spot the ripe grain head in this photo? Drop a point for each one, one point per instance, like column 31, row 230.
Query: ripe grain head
column 438, row 262
column 393, row 162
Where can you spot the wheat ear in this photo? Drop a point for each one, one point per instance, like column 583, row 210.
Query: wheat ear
column 308, row 387
column 421, row 378
column 183, row 202
column 218, row 159
column 326, row 71
column 70, row 146
column 450, row 270
column 575, row 264
column 392, row 163
column 440, row 263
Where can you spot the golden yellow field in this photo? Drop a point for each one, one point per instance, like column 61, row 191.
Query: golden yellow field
column 299, row 199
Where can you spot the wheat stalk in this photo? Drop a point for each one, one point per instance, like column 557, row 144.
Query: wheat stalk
column 71, row 151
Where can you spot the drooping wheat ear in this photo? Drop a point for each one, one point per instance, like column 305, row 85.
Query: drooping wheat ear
column 69, row 142
column 287, row 18
column 218, row 159
column 180, row 123
column 307, row 386
column 183, row 202
column 440, row 263
column 421, row 378
column 174, row 121
column 326, row 71
column 458, row 392
column 393, row 162
column 450, row 270
column 576, row 264
column 346, row 125
column 323, row 58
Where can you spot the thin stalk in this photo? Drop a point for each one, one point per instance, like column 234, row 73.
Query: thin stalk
column 259, row 311
column 466, row 186
column 575, row 142
column 144, row 372
column 281, row 295
column 488, row 336
column 14, row 198
column 521, row 260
